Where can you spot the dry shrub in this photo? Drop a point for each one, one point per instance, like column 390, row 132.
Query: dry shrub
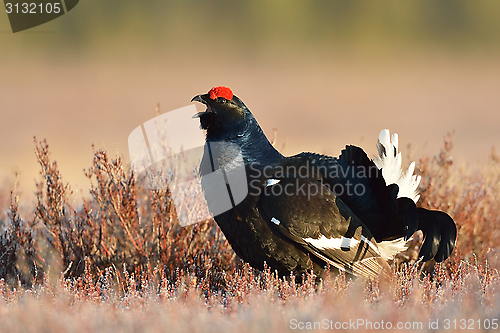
column 251, row 302
column 18, row 256
column 471, row 198
column 122, row 261
column 120, row 225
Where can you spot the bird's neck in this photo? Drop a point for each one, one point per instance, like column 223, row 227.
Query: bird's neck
column 254, row 145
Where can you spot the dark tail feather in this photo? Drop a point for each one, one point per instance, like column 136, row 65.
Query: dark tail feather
column 402, row 223
column 355, row 156
column 429, row 224
column 409, row 213
column 440, row 234
column 448, row 236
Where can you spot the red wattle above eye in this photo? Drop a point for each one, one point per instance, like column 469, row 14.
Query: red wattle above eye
column 220, row 91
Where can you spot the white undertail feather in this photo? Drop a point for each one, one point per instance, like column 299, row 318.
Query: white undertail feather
column 389, row 249
column 389, row 160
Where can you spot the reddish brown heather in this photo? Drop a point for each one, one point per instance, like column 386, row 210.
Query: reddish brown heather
column 122, row 262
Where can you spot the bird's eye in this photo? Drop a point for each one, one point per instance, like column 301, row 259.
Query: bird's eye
column 221, row 100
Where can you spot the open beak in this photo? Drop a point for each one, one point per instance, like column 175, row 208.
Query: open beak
column 199, row 98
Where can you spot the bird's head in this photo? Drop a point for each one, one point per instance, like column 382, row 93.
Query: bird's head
column 225, row 112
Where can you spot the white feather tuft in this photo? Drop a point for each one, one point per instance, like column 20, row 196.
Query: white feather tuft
column 271, row 182
column 389, row 160
column 389, row 249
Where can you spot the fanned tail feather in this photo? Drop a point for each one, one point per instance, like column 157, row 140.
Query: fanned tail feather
column 438, row 227
column 389, row 160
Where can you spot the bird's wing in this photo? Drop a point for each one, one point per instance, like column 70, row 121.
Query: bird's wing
column 388, row 216
column 360, row 184
column 307, row 213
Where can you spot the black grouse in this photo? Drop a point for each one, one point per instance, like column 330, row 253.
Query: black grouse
column 309, row 210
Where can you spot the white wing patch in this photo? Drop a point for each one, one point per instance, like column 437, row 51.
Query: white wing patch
column 275, row 221
column 325, row 243
column 271, row 182
column 345, row 243
column 389, row 160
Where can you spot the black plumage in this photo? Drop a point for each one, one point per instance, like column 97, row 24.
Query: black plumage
column 294, row 217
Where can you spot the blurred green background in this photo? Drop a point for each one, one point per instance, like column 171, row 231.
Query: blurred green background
column 325, row 73
column 250, row 26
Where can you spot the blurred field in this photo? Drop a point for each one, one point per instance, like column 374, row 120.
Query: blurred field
column 111, row 257
column 326, row 74
column 316, row 106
